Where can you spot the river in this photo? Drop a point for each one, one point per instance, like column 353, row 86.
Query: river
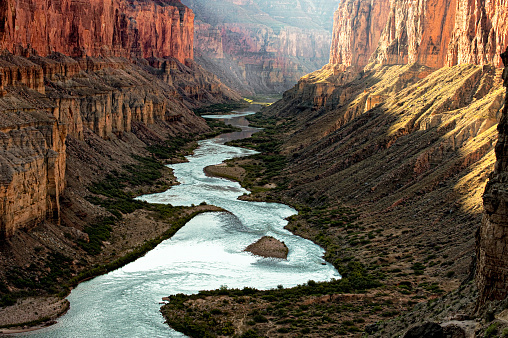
column 206, row 253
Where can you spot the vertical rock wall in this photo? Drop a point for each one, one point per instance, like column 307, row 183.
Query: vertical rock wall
column 492, row 236
column 132, row 29
column 434, row 33
column 357, row 29
column 32, row 168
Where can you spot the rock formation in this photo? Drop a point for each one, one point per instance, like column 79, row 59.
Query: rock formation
column 132, row 29
column 491, row 239
column 268, row 246
column 262, row 46
column 357, row 29
column 401, row 32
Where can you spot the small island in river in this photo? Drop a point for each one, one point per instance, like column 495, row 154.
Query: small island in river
column 268, row 246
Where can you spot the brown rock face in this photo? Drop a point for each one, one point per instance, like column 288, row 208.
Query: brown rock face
column 132, row 29
column 434, row 33
column 32, row 168
column 357, row 29
column 491, row 239
column 480, row 33
column 48, row 100
column 268, row 246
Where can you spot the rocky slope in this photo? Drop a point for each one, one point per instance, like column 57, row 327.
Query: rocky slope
column 131, row 29
column 262, row 46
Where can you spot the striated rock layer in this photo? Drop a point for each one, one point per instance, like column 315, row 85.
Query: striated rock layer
column 132, row 29
column 492, row 236
column 434, row 33
column 48, row 101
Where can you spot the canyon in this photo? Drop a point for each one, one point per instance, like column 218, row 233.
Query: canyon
column 85, row 90
column 400, row 140
column 260, row 47
column 402, row 127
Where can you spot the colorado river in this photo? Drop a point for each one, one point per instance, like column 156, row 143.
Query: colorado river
column 206, row 253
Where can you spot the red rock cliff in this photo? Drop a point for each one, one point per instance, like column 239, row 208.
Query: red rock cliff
column 434, row 33
column 133, row 29
column 357, row 29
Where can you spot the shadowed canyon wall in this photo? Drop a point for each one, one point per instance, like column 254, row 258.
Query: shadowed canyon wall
column 262, row 46
column 55, row 98
column 132, row 29
column 492, row 243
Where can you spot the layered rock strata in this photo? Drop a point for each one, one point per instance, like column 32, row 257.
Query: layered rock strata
column 491, row 240
column 48, row 100
column 131, row 29
column 434, row 33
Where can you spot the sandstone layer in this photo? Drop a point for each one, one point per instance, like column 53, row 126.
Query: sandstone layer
column 131, row 29
column 262, row 46
column 47, row 100
column 491, row 240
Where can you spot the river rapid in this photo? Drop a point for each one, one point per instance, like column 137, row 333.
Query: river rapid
column 206, row 253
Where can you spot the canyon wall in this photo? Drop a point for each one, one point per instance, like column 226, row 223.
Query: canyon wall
column 401, row 124
column 434, row 33
column 357, row 29
column 262, row 46
column 491, row 240
column 131, row 29
column 70, row 68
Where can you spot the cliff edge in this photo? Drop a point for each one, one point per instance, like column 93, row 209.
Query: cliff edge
column 491, row 239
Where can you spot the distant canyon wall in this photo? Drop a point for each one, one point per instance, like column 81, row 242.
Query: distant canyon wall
column 132, row 29
column 434, row 33
column 260, row 46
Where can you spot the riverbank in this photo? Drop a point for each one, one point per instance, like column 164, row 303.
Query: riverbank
column 102, row 227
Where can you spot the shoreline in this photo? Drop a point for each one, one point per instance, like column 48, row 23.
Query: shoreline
column 143, row 231
column 39, row 303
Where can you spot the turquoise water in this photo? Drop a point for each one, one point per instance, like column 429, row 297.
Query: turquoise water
column 205, row 254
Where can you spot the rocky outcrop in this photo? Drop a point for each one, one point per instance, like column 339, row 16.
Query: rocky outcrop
column 131, row 29
column 264, row 47
column 491, row 240
column 268, row 246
